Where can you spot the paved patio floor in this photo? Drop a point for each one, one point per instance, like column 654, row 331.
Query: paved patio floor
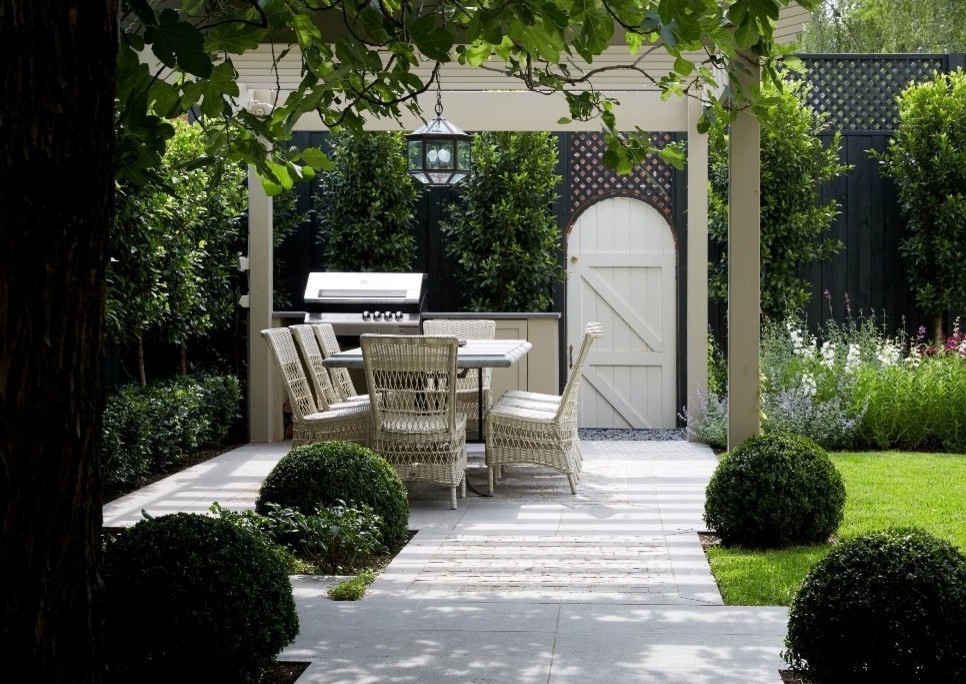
column 532, row 585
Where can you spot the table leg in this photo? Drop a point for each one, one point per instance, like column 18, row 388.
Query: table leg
column 479, row 423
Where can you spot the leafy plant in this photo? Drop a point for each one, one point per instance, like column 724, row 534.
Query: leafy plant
column 329, row 473
column 926, row 158
column 889, row 606
column 187, row 588
column 174, row 249
column 502, row 231
column 148, row 429
column 775, row 491
column 353, row 589
column 365, row 205
column 794, row 163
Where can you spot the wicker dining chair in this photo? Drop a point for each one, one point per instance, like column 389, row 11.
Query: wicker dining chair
column 539, row 431
column 468, row 387
column 352, row 423
column 415, row 424
column 326, row 395
column 329, row 345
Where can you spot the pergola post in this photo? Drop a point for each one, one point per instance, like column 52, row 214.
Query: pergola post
column 696, row 326
column 744, row 266
column 264, row 398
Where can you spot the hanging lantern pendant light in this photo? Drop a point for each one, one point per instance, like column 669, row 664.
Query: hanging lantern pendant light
column 439, row 153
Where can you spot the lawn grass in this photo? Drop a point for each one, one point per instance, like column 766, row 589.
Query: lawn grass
column 883, row 489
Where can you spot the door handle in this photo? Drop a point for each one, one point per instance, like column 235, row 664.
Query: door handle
column 571, row 357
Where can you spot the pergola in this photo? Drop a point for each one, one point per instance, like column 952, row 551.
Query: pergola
column 480, row 100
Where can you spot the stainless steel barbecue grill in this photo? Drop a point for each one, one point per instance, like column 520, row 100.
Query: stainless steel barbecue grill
column 357, row 303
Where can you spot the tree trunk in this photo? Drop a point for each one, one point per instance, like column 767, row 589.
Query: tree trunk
column 142, row 375
column 937, row 328
column 56, row 116
column 184, row 359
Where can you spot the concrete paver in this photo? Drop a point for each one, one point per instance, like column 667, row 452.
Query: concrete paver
column 533, row 584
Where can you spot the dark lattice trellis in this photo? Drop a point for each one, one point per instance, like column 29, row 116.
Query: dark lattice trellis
column 591, row 181
column 859, row 93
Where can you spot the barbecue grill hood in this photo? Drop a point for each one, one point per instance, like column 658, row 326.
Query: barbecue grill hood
column 356, row 292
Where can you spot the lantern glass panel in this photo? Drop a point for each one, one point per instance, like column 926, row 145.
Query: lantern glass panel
column 414, row 155
column 439, row 155
column 464, row 155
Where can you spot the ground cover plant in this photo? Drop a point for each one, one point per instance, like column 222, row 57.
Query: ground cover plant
column 884, row 489
column 853, row 386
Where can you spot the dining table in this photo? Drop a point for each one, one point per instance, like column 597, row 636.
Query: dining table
column 472, row 354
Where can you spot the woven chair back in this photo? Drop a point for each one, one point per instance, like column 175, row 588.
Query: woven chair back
column 468, row 329
column 412, row 382
column 325, row 393
column 289, row 365
column 568, row 399
column 329, row 345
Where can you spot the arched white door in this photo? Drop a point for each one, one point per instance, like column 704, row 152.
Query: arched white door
column 621, row 272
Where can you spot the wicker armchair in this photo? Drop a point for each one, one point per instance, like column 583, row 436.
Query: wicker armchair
column 415, row 425
column 329, row 345
column 468, row 387
column 351, row 423
column 326, row 395
column 538, row 430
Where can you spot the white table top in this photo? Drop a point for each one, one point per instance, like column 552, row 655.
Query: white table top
column 474, row 354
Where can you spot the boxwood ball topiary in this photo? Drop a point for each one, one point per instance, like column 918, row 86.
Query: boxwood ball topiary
column 187, row 593
column 323, row 474
column 775, row 491
column 886, row 607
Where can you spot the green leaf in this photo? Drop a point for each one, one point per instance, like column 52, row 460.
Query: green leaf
column 746, row 35
column 683, row 66
column 211, row 93
column 178, row 44
column 430, row 38
column 317, row 159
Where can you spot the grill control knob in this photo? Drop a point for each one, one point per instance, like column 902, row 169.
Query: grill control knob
column 366, row 315
column 399, row 315
column 388, row 315
column 377, row 315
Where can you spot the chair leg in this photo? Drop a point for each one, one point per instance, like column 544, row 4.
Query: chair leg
column 463, row 487
column 573, row 483
column 452, row 497
column 491, row 473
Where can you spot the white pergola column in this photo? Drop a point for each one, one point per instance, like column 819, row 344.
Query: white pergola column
column 696, row 326
column 264, row 395
column 744, row 268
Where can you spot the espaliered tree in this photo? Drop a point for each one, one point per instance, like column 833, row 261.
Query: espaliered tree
column 794, row 225
column 926, row 158
column 83, row 108
column 502, row 231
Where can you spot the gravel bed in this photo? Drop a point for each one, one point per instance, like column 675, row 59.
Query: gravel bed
column 619, row 435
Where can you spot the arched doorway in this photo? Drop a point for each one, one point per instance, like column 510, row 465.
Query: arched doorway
column 621, row 263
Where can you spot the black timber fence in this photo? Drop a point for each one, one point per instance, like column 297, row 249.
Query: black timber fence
column 859, row 96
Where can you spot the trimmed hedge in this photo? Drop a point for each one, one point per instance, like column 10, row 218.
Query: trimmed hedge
column 192, row 594
column 885, row 607
column 327, row 473
column 775, row 491
column 147, row 430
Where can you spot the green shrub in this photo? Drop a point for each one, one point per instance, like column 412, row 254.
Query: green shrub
column 147, row 430
column 365, row 205
column 889, row 606
column 794, row 222
column 334, row 539
column 221, row 398
column 188, row 588
column 328, row 473
column 775, row 491
column 502, row 232
column 352, row 589
column 926, row 159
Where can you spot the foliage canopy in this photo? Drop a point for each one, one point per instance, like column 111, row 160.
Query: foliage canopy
column 926, row 158
column 793, row 164
column 502, row 231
